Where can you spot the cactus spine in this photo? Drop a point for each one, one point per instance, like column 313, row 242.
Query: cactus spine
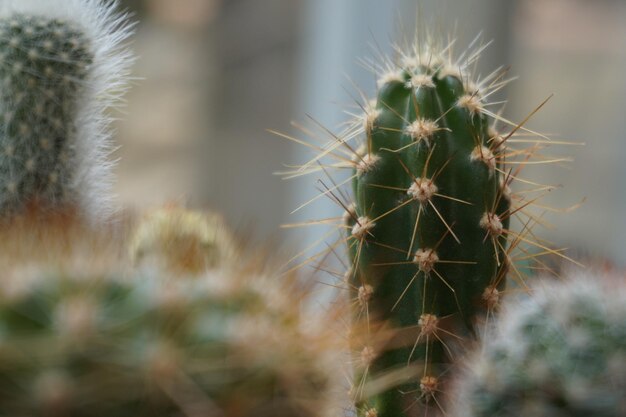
column 560, row 352
column 61, row 66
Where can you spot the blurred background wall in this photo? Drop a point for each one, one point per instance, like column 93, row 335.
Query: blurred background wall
column 214, row 75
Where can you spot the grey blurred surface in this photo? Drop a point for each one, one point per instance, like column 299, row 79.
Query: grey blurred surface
column 217, row 74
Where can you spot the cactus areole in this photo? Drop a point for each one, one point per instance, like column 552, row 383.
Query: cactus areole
column 428, row 229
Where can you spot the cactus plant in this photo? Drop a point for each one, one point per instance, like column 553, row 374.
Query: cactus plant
column 560, row 352
column 84, row 333
column 62, row 65
column 428, row 229
column 183, row 241
column 428, row 223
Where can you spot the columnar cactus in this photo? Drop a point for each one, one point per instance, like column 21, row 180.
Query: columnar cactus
column 560, row 352
column 62, row 65
column 428, row 223
column 82, row 333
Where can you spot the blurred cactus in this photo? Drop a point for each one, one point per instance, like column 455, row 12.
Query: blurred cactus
column 560, row 352
column 62, row 65
column 83, row 333
column 183, row 241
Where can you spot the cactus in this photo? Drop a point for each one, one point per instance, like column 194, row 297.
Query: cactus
column 560, row 352
column 428, row 229
column 427, row 225
column 183, row 241
column 61, row 67
column 84, row 333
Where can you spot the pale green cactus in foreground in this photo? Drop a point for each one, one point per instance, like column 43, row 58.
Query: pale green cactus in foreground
column 85, row 333
column 559, row 353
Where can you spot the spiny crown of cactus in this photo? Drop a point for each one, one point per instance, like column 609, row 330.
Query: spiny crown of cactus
column 427, row 224
column 560, row 352
column 62, row 65
column 85, row 333
column 182, row 240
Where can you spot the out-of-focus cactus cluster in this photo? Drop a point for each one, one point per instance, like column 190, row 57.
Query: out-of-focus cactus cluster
column 157, row 315
column 86, row 332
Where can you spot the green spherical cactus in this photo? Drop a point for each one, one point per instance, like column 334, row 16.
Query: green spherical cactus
column 62, row 66
column 559, row 352
column 85, row 333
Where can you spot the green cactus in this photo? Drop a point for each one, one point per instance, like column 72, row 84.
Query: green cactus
column 62, row 66
column 428, row 230
column 560, row 352
column 82, row 333
column 43, row 67
column 427, row 224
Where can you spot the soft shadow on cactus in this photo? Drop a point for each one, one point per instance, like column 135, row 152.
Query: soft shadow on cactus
column 63, row 64
column 561, row 352
column 85, row 333
column 427, row 221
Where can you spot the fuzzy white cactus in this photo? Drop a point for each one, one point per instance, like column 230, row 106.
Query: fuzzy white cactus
column 559, row 352
column 63, row 65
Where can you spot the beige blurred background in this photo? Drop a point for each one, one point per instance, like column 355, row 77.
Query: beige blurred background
column 214, row 75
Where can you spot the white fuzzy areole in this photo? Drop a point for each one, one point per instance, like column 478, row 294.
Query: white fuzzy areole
column 365, row 294
column 428, row 386
column 492, row 224
column 108, row 31
column 428, row 324
column 420, row 81
column 491, row 297
column 389, row 77
column 368, row 354
column 366, row 163
column 362, row 227
column 484, row 155
column 425, row 259
column 422, row 129
column 471, row 103
column 422, row 190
